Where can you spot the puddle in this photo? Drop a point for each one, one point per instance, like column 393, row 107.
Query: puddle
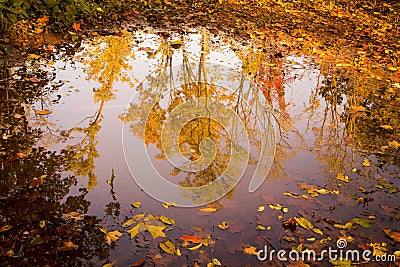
column 90, row 119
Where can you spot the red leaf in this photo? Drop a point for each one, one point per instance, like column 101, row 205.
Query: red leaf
column 192, row 238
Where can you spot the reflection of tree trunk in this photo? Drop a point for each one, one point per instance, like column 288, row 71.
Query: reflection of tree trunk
column 99, row 112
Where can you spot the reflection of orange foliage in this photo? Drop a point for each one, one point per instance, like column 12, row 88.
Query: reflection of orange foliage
column 271, row 79
column 43, row 20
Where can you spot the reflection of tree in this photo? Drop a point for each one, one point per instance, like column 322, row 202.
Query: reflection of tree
column 149, row 113
column 37, row 225
column 105, row 63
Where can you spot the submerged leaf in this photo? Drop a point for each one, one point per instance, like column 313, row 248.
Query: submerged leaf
column 363, row 222
column 395, row 235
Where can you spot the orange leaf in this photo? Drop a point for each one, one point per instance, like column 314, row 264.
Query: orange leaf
column 43, row 20
column 191, row 238
column 76, row 26
column 208, row 210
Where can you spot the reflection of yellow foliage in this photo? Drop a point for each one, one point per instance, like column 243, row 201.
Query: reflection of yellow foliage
column 106, row 62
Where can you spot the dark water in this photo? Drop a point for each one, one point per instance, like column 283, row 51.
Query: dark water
column 58, row 194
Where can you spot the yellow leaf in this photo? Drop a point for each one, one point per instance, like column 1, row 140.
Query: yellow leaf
column 155, row 230
column 167, row 220
column 169, row 204
column 136, row 204
column 168, row 247
column 261, row 208
column 196, row 247
column 112, row 236
column 317, row 231
column 43, row 112
column 208, row 209
column 5, row 228
column 342, row 177
column 394, row 144
column 387, row 127
column 34, row 56
column 216, row 262
column 133, row 219
column 136, row 229
column 303, row 222
column 366, row 163
column 224, row 225
column 260, row 227
column 250, row 250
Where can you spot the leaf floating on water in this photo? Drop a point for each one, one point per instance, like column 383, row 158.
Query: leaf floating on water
column 362, row 222
column 261, row 208
column 395, row 235
column 139, row 263
column 155, row 230
column 5, row 228
column 250, row 250
column 112, row 236
column 216, row 262
column 342, row 177
column 167, row 220
column 208, row 209
column 196, row 247
column 303, row 222
column 133, row 219
column 43, row 112
column 191, row 238
column 168, row 247
column 169, row 204
column 224, row 225
column 366, row 163
column 136, row 204
column 136, row 229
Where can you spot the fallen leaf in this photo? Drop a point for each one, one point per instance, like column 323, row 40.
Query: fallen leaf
column 208, row 209
column 5, row 228
column 362, row 222
column 250, row 250
column 43, row 112
column 169, row 204
column 43, row 20
column 366, row 163
column 394, row 144
column 167, row 220
column 155, row 230
column 168, row 247
column 133, row 219
column 139, row 263
column 136, row 204
column 191, row 238
column 395, row 235
column 112, row 236
column 261, row 208
column 196, row 247
column 342, row 177
column 136, row 229
column 216, row 262
column 224, row 225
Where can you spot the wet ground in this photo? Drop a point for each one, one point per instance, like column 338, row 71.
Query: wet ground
column 83, row 141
